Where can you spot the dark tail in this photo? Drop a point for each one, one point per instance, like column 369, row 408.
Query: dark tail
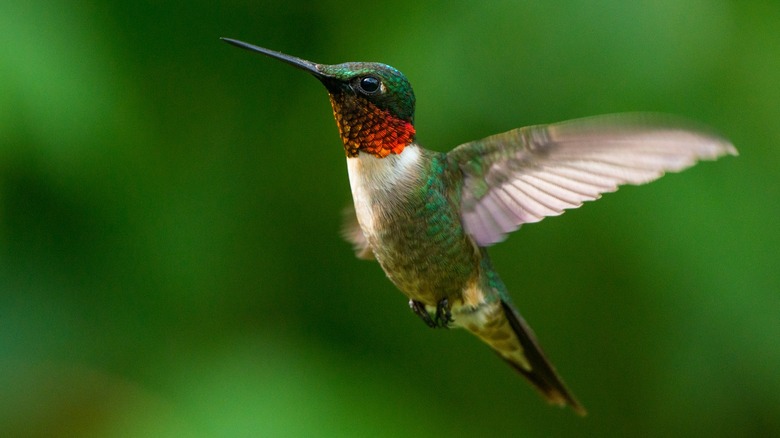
column 541, row 373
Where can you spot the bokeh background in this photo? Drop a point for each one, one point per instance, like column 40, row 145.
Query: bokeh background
column 170, row 262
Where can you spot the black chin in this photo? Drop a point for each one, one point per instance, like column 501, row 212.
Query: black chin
column 334, row 86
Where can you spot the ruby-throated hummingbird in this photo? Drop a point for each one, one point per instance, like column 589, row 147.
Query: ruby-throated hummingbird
column 428, row 217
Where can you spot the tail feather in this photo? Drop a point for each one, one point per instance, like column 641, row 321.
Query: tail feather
column 536, row 368
column 500, row 326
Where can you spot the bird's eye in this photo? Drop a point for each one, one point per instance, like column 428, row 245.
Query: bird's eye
column 369, row 84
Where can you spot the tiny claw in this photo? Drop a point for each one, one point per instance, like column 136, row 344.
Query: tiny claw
column 419, row 309
column 443, row 316
column 441, row 319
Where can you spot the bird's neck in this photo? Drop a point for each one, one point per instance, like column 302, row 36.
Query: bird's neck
column 395, row 173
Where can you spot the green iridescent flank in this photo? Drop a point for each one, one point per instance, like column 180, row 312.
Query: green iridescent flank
column 436, row 201
column 441, row 192
column 399, row 98
column 494, row 282
column 441, row 259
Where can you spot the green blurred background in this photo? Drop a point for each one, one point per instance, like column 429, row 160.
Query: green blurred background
column 170, row 262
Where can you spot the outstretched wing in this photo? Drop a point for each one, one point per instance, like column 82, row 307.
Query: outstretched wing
column 527, row 174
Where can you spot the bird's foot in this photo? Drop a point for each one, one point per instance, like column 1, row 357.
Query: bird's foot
column 443, row 316
column 441, row 319
column 419, row 309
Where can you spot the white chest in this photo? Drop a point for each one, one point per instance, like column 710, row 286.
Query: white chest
column 380, row 183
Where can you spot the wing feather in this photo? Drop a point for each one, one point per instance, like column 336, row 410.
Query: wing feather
column 527, row 174
column 562, row 196
column 352, row 233
column 501, row 216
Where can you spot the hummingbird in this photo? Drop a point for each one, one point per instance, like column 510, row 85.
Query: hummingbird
column 428, row 217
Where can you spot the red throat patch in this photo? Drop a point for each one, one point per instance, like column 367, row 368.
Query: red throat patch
column 367, row 128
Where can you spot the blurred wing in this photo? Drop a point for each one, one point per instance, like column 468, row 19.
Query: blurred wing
column 352, row 233
column 527, row 174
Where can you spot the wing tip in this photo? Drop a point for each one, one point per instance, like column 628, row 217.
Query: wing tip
column 730, row 149
column 717, row 147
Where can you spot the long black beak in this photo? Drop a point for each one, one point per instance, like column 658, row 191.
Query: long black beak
column 292, row 60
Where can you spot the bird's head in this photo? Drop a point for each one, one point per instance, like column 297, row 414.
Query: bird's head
column 373, row 103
